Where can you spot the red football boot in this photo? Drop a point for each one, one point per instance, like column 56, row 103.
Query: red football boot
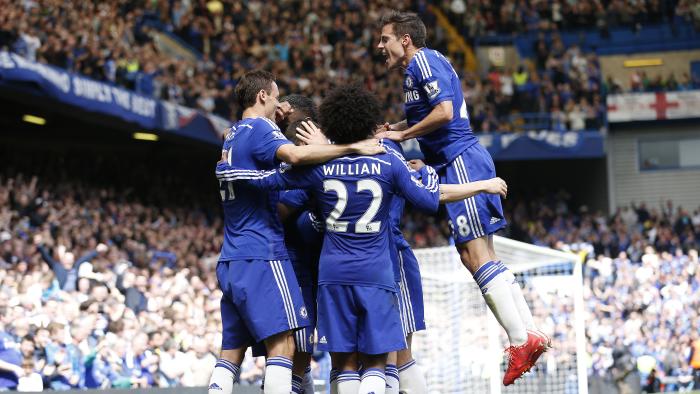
column 522, row 358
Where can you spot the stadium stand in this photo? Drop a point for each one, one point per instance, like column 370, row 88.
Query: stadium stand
column 561, row 88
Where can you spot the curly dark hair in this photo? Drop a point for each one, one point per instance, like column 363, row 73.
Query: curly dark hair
column 350, row 113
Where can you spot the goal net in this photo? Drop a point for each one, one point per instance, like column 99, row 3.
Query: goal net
column 462, row 349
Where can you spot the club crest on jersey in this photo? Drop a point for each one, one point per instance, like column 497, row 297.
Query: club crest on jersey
column 432, row 89
column 409, row 82
column 278, row 135
column 303, row 312
column 284, row 167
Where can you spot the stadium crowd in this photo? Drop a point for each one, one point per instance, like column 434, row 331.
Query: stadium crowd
column 99, row 289
column 116, row 42
column 480, row 18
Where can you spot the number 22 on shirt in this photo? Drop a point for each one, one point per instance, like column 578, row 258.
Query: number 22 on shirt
column 364, row 224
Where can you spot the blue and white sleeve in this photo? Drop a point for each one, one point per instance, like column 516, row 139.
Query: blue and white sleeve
column 423, row 194
column 268, row 139
column 432, row 78
column 296, row 178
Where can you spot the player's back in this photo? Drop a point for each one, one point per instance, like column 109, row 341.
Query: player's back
column 252, row 228
column 429, row 80
column 355, row 196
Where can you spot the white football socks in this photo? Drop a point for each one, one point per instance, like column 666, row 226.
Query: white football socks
column 348, row 382
column 499, row 297
column 222, row 378
column 373, row 382
column 412, row 379
column 278, row 375
column 392, row 379
column 519, row 298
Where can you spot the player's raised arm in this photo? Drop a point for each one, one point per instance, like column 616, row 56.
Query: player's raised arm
column 450, row 192
column 422, row 193
column 315, row 154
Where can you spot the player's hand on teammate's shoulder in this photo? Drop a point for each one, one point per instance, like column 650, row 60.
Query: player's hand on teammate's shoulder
column 382, row 128
column 310, row 134
column 369, row 146
column 284, row 109
column 393, row 135
column 496, row 186
column 416, row 164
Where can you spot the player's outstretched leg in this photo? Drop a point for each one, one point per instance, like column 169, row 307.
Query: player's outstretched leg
column 278, row 368
column 495, row 283
column 226, row 371
column 518, row 297
column 411, row 377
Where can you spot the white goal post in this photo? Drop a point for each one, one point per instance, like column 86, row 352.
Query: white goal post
column 462, row 349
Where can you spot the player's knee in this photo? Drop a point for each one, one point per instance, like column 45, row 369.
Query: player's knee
column 234, row 355
column 465, row 255
column 474, row 253
column 391, row 358
column 344, row 361
column 404, row 356
column 373, row 360
column 281, row 344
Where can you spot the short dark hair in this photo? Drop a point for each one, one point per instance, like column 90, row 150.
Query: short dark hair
column 350, row 113
column 291, row 130
column 251, row 84
column 405, row 23
column 302, row 104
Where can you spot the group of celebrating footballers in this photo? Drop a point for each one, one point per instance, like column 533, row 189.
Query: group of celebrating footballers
column 313, row 254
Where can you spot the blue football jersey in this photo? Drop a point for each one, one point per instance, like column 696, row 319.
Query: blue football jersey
column 430, row 79
column 252, row 229
column 397, row 203
column 354, row 195
column 303, row 236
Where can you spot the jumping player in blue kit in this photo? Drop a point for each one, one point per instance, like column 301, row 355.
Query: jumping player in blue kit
column 357, row 303
column 261, row 297
column 436, row 114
